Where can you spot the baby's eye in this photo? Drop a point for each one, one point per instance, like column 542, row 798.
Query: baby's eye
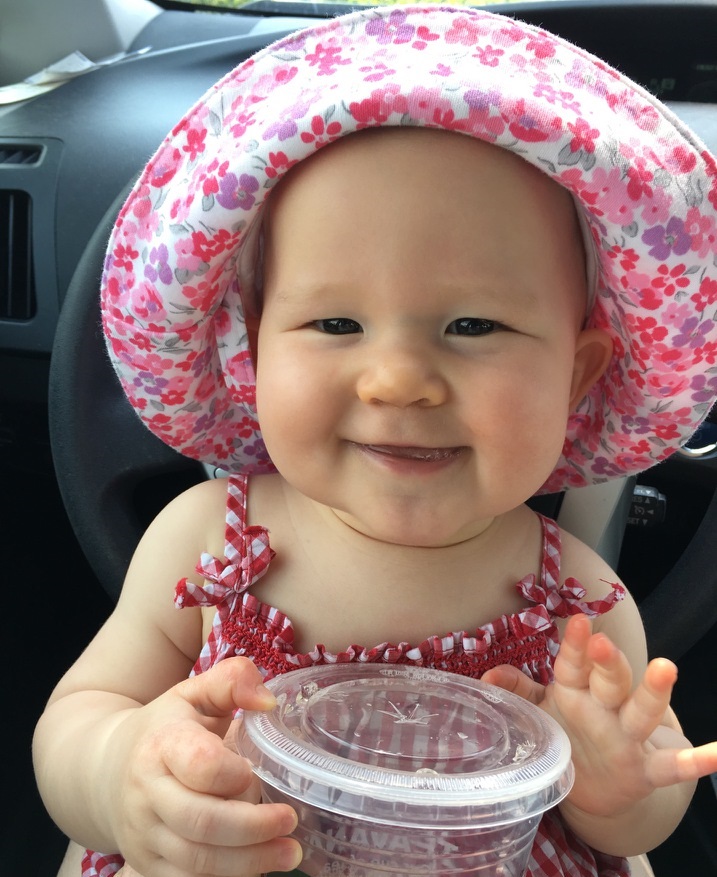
column 338, row 326
column 471, row 326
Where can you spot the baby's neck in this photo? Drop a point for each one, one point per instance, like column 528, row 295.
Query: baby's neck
column 342, row 587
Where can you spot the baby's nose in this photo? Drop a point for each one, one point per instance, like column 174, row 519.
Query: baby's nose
column 402, row 378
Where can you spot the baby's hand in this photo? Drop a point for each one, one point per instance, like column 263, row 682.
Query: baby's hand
column 181, row 801
column 625, row 743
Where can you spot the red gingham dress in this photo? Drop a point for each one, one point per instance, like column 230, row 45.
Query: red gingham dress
column 528, row 639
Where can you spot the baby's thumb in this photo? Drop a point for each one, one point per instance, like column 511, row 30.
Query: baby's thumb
column 232, row 684
column 512, row 679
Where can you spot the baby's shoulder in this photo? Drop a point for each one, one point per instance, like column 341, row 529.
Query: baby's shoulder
column 195, row 517
column 622, row 623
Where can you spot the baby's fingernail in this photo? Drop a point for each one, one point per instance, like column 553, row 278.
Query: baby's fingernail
column 265, row 694
column 291, row 857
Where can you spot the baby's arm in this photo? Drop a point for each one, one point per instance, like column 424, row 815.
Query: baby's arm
column 129, row 753
column 635, row 770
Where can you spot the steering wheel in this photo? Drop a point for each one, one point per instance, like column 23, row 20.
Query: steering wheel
column 112, row 470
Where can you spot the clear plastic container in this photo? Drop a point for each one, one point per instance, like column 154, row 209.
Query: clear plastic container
column 398, row 769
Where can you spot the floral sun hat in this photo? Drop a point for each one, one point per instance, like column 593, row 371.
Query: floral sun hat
column 185, row 241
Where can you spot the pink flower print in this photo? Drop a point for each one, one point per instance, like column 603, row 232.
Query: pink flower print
column 540, row 46
column 627, row 258
column 657, row 208
column 201, row 296
column 442, row 70
column 278, row 164
column 706, row 295
column 158, row 266
column 164, row 167
column 510, row 34
column 187, row 259
column 639, row 179
column 393, row 30
column 327, row 59
column 667, row 431
column 488, row 56
column 608, row 187
column 482, row 117
column 703, row 231
column 545, row 89
column 176, row 390
column 142, row 204
column 241, row 371
column 424, row 36
column 675, row 314
column 382, row 103
column 237, row 193
column 321, row 133
column 681, row 160
column 160, row 423
column 206, row 249
column 146, row 303
column 666, row 240
column 376, row 72
column 210, row 186
column 464, row 31
column 708, row 354
column 647, row 329
column 583, row 136
column 670, row 280
column 123, row 256
column 240, row 124
column 667, row 384
column 527, row 127
column 428, row 105
column 195, row 142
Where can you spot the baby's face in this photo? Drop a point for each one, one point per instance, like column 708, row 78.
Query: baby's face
column 423, row 299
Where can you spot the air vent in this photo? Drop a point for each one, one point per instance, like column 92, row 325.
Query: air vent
column 19, row 154
column 17, row 283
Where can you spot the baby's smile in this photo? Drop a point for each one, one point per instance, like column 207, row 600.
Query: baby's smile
column 415, row 454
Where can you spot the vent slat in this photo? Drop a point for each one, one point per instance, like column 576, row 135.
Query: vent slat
column 14, row 154
column 17, row 286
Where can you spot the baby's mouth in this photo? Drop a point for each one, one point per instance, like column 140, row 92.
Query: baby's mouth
column 421, row 455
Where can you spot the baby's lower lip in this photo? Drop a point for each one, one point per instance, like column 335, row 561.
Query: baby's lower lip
column 416, row 454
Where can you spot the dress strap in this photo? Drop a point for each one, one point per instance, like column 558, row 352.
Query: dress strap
column 247, row 555
column 568, row 598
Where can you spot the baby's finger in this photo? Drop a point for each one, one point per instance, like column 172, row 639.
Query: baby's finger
column 512, row 679
column 200, row 761
column 645, row 709
column 174, row 857
column 204, row 819
column 611, row 676
column 572, row 668
column 668, row 766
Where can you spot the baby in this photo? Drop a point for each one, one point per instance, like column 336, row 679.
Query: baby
column 447, row 298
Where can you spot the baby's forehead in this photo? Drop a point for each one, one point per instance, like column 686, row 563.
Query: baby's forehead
column 439, row 162
column 453, row 192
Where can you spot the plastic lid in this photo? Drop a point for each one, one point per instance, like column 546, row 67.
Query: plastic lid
column 407, row 745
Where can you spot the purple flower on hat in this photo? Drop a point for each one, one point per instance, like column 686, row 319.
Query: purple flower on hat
column 159, row 266
column 393, row 30
column 693, row 333
column 235, row 192
column 704, row 388
column 668, row 239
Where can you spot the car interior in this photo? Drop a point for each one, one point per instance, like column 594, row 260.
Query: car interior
column 81, row 477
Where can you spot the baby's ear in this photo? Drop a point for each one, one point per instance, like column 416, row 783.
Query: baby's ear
column 593, row 351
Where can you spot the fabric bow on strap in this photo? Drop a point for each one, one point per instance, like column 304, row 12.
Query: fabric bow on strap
column 228, row 577
column 569, row 598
